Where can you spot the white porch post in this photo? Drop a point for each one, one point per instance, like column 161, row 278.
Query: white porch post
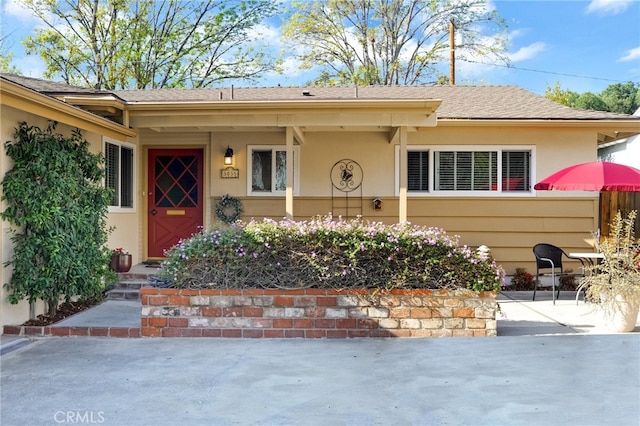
column 402, row 208
column 289, row 191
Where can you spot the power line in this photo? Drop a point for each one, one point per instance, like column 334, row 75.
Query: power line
column 545, row 72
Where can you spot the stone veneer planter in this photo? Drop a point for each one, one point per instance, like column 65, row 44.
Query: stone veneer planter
column 316, row 313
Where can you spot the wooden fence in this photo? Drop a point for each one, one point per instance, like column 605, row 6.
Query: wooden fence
column 611, row 202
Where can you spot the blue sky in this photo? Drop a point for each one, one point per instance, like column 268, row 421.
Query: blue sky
column 583, row 45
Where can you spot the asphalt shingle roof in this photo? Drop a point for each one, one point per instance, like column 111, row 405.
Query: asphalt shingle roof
column 458, row 102
column 45, row 86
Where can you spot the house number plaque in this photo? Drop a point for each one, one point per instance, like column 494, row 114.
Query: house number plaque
column 230, row 173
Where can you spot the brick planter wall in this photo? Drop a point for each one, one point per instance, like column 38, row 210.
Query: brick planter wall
column 316, row 313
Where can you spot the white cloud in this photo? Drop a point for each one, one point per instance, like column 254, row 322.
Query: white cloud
column 476, row 67
column 265, row 34
column 608, row 6
column 16, row 10
column 632, row 55
column 468, row 70
column 519, row 32
column 291, row 66
column 527, row 52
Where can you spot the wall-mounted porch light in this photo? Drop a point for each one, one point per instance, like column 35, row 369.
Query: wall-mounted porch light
column 228, row 156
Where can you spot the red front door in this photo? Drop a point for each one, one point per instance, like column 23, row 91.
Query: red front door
column 175, row 197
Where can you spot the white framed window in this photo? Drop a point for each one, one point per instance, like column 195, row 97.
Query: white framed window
column 468, row 170
column 267, row 169
column 120, row 174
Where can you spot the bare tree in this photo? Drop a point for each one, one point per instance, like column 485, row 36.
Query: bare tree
column 112, row 44
column 389, row 42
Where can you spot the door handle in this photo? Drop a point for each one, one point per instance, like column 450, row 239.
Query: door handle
column 154, row 212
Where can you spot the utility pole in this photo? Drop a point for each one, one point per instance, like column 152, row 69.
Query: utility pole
column 452, row 54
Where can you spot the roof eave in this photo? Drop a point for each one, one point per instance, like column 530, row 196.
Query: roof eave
column 624, row 122
column 20, row 97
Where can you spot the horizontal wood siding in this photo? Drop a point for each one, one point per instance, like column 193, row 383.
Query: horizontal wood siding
column 510, row 227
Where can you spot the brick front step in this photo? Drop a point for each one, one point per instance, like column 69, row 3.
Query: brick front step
column 123, row 293
column 126, row 289
column 316, row 313
column 57, row 331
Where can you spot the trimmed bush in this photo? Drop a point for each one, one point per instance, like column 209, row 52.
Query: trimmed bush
column 326, row 253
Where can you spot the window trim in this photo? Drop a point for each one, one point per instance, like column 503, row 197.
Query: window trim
column 121, row 144
column 469, row 148
column 273, row 148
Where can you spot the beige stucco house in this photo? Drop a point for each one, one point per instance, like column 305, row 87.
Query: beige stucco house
column 463, row 158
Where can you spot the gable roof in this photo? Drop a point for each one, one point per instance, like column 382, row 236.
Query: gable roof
column 458, row 102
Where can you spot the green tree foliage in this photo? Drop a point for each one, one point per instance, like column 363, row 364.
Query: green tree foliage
column 5, row 63
column 57, row 206
column 121, row 44
column 592, row 101
column 619, row 97
column 388, row 42
column 564, row 97
column 622, row 98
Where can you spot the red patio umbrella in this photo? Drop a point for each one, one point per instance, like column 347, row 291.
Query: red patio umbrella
column 600, row 176
column 594, row 176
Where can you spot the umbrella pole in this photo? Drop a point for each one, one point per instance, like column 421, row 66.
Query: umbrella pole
column 600, row 227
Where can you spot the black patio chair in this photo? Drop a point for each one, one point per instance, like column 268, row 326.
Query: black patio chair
column 549, row 257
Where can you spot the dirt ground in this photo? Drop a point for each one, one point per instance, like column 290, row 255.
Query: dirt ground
column 65, row 310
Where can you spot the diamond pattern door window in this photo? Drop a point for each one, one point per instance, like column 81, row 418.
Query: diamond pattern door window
column 176, row 181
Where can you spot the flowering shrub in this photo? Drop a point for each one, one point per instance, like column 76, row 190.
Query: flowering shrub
column 327, row 253
column 522, row 280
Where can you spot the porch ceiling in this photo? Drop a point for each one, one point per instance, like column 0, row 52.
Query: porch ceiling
column 608, row 137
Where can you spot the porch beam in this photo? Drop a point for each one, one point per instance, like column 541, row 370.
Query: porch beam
column 394, row 134
column 289, row 134
column 402, row 201
column 298, row 135
column 253, row 119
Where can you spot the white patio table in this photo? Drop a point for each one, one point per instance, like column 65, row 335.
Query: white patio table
column 592, row 258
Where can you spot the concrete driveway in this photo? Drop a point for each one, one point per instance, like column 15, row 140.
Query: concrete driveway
column 570, row 379
column 550, row 365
